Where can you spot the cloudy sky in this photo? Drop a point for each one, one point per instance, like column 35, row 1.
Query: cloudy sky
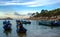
column 27, row 6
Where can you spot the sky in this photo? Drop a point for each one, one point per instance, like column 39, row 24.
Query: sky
column 27, row 6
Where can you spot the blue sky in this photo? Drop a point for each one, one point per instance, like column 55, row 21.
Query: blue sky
column 27, row 6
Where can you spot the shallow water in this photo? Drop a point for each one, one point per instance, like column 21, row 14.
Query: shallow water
column 33, row 30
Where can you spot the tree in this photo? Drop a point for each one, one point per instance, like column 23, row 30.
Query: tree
column 46, row 13
column 33, row 14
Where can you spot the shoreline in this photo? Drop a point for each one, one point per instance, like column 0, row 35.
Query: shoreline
column 34, row 18
column 44, row 18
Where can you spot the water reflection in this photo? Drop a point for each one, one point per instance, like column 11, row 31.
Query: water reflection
column 7, row 32
column 21, row 34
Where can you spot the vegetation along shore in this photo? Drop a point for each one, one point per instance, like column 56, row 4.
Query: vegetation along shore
column 46, row 15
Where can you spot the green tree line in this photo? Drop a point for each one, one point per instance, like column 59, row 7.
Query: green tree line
column 46, row 13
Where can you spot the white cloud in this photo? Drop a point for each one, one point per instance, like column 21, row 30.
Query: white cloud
column 34, row 3
column 26, row 12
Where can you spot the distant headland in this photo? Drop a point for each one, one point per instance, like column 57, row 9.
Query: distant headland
column 46, row 15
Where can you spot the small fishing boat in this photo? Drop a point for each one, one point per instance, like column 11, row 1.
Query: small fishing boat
column 7, row 25
column 50, row 23
column 24, row 22
column 20, row 27
column 46, row 23
column 55, row 23
column 21, row 30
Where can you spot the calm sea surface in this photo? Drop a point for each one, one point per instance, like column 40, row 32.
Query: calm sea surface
column 33, row 30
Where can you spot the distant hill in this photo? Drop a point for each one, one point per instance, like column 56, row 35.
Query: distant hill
column 46, row 13
column 16, row 16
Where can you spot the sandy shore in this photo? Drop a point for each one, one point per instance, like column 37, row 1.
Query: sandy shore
column 43, row 18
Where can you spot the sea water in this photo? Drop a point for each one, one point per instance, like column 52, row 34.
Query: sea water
column 33, row 30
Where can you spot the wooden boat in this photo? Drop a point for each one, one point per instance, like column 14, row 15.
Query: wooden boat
column 51, row 23
column 6, row 25
column 21, row 30
column 20, row 27
column 24, row 22
column 47, row 23
column 55, row 23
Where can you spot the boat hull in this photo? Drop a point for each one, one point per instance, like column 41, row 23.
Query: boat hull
column 22, row 30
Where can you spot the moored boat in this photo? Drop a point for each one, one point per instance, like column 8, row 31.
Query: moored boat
column 55, row 23
column 22, row 30
column 50, row 23
column 26, row 22
column 20, row 27
column 7, row 25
